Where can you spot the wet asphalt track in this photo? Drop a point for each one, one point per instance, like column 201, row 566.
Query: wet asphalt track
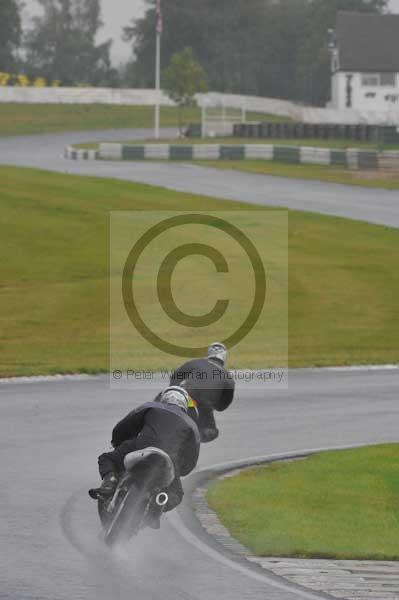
column 51, row 433
column 373, row 205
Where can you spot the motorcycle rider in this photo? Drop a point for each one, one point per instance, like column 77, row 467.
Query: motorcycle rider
column 210, row 387
column 164, row 424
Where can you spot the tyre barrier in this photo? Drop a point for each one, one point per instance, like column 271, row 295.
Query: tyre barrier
column 291, row 130
column 351, row 158
column 388, row 160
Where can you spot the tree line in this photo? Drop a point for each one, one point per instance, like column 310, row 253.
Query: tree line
column 59, row 46
column 275, row 48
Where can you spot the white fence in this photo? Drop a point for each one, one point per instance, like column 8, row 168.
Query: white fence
column 219, row 119
column 76, row 95
column 135, row 97
column 299, row 112
column 272, row 106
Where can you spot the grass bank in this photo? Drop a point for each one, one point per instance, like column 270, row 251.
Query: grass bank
column 373, row 179
column 340, row 505
column 54, row 279
column 25, row 119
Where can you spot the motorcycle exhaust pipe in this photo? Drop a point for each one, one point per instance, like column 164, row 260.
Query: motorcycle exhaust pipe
column 162, row 499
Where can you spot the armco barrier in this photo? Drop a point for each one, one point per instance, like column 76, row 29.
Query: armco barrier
column 157, row 151
column 339, row 158
column 367, row 160
column 315, row 156
column 133, row 152
column 363, row 159
column 232, row 152
column 287, row 154
column 78, row 154
column 259, row 152
column 181, row 152
column 110, row 151
column 352, row 158
column 206, row 152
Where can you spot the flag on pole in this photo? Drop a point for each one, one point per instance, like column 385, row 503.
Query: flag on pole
column 159, row 17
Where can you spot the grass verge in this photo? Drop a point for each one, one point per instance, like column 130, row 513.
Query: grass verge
column 373, row 179
column 333, row 174
column 54, row 278
column 341, row 505
column 25, row 119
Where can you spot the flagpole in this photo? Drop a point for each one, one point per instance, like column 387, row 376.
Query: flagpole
column 158, row 68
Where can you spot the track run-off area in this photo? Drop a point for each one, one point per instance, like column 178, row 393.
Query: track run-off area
column 52, row 431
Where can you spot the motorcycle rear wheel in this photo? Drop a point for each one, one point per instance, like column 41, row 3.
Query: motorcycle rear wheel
column 128, row 518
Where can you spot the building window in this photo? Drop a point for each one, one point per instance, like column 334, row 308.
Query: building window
column 370, row 80
column 388, row 79
column 378, row 79
column 335, row 64
column 349, row 90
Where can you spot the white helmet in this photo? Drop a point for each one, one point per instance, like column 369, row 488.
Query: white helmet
column 175, row 395
column 219, row 351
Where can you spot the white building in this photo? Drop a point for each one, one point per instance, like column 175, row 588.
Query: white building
column 365, row 62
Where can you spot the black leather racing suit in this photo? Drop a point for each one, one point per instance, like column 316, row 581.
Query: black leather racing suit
column 212, row 388
column 161, row 426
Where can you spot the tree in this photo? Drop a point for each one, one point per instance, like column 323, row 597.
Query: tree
column 10, row 33
column 183, row 78
column 243, row 46
column 274, row 48
column 62, row 43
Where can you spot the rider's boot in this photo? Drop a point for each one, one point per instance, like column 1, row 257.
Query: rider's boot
column 208, row 434
column 107, row 488
column 153, row 518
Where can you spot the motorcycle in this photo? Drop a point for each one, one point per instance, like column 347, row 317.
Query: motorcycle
column 139, row 495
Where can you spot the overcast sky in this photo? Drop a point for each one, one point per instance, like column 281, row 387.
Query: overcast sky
column 117, row 13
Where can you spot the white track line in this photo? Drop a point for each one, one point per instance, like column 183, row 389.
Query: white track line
column 83, row 377
column 189, row 537
column 176, row 521
column 49, row 378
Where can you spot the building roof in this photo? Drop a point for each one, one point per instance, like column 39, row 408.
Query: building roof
column 368, row 42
